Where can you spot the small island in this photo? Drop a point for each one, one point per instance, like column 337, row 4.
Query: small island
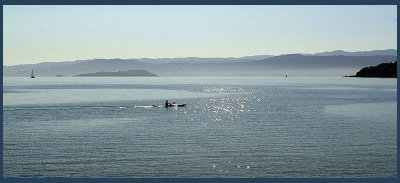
column 129, row 73
column 384, row 70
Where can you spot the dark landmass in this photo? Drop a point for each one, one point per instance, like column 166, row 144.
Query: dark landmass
column 58, row 75
column 384, row 70
column 323, row 64
column 120, row 73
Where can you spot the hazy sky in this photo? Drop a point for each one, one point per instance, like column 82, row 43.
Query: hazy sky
column 34, row 34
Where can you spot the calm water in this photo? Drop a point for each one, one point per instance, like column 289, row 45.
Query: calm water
column 231, row 127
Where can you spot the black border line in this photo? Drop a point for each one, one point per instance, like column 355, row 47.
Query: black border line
column 200, row 2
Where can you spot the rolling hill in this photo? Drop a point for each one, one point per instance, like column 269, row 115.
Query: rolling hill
column 322, row 64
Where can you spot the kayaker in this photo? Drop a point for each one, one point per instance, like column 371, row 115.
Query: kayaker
column 166, row 103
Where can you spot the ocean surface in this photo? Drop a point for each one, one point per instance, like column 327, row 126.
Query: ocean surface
column 231, row 127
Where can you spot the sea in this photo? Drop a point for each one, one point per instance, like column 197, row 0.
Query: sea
column 231, row 127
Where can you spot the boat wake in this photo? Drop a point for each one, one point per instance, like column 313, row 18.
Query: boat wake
column 72, row 107
column 12, row 108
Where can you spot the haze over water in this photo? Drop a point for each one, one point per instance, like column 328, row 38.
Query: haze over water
column 231, row 127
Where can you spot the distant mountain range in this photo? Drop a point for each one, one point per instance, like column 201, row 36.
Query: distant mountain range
column 129, row 73
column 336, row 63
column 358, row 53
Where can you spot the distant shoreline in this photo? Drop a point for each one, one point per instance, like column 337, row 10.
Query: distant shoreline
column 322, row 64
column 129, row 73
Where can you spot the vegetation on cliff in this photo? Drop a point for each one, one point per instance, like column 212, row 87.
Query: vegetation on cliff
column 384, row 70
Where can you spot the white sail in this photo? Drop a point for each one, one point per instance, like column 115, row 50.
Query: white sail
column 32, row 75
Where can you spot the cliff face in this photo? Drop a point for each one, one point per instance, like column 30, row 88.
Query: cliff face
column 384, row 70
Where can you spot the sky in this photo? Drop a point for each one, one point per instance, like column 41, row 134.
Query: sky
column 34, row 34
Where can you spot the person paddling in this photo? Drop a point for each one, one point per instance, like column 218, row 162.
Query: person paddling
column 166, row 103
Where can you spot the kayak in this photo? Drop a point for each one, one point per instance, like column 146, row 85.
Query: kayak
column 171, row 105
column 177, row 105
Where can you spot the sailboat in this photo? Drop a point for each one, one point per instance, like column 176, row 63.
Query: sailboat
column 32, row 75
